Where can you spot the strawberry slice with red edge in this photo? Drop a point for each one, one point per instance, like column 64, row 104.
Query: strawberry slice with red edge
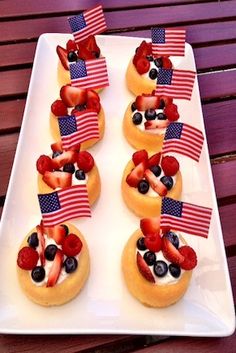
column 72, row 245
column 147, row 101
column 58, row 108
column 85, row 161
column 39, row 229
column 58, row 179
column 58, row 233
column 155, row 183
column 64, row 158
column 154, row 160
column 72, row 96
column 84, row 53
column 92, row 94
column 170, row 252
column 144, row 49
column 75, row 148
column 170, row 165
column 57, row 146
column 55, row 270
column 93, row 104
column 91, row 45
column 71, row 46
column 62, row 54
column 156, row 124
column 144, row 269
column 136, row 175
column 150, row 225
column 190, row 258
column 27, row 258
column 44, row 163
column 171, row 111
column 142, row 65
column 140, row 156
column 166, row 63
column 153, row 242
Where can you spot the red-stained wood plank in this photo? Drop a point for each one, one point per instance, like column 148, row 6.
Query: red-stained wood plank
column 232, row 272
column 14, row 82
column 224, row 178
column 182, row 14
column 17, row 54
column 228, row 224
column 11, row 113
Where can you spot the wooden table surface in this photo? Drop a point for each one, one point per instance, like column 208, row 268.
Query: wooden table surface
column 211, row 30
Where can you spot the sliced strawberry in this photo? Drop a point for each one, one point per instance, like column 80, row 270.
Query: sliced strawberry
column 57, row 146
column 150, row 225
column 144, row 49
column 166, row 100
column 27, row 258
column 170, row 165
column 156, row 124
column 55, row 270
column 190, row 258
column 72, row 96
column 84, row 53
column 58, row 233
column 136, row 58
column 85, row 161
column 72, row 245
column 41, row 239
column 75, row 148
column 140, row 156
column 92, row 94
column 71, row 46
column 62, row 53
column 90, row 44
column 153, row 242
column 170, row 252
column 142, row 65
column 147, row 101
column 44, row 164
column 64, row 158
column 93, row 104
column 144, row 269
column 58, row 108
column 57, row 179
column 154, row 160
column 136, row 175
column 171, row 111
column 155, row 183
column 167, row 64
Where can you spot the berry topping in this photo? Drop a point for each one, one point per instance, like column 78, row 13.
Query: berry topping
column 72, row 56
column 57, row 233
column 90, row 44
column 161, row 116
column 33, row 240
column 142, row 65
column 167, row 181
column 153, row 242
column 156, row 124
column 71, row 45
column 50, row 252
column 57, row 147
column 150, row 258
column 41, row 248
column 170, row 252
column 144, row 269
column 70, row 264
column 27, row 258
column 38, row 274
column 143, row 186
column 150, row 114
column 91, row 94
column 133, row 107
column 73, row 96
column 58, row 108
column 64, row 158
column 140, row 156
column 56, row 154
column 137, row 118
column 72, row 245
column 171, row 112
column 147, row 101
column 166, row 100
column 160, row 268
column 166, row 63
column 84, row 53
column 62, row 53
column 150, row 225
column 66, row 228
column 55, row 270
column 153, row 74
column 44, row 164
column 144, row 49
column 158, row 62
column 190, row 257
column 69, row 168
column 57, row 179
column 80, row 174
column 149, row 57
column 85, row 161
column 173, row 238
column 154, row 159
column 170, row 165
column 155, row 183
column 94, row 104
column 136, row 175
column 156, row 169
column 140, row 244
column 175, row 270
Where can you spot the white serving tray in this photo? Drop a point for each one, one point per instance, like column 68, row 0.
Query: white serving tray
column 105, row 305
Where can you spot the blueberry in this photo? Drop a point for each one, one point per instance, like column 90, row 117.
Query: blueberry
column 149, row 57
column 150, row 258
column 167, row 181
column 137, row 118
column 143, row 186
column 173, row 238
column 162, row 104
column 80, row 107
column 38, row 274
column 50, row 252
column 72, row 56
column 70, row 264
column 161, row 116
column 133, row 107
column 156, row 169
column 158, row 62
column 140, row 244
column 153, row 74
column 160, row 268
column 66, row 228
column 80, row 174
column 69, row 168
column 150, row 114
column 175, row 270
column 33, row 240
column 56, row 154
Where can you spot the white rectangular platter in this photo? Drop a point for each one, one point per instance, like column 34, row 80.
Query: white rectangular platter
column 105, row 305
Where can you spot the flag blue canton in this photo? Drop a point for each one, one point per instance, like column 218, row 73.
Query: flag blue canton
column 158, row 35
column 78, row 70
column 171, row 207
column 174, row 131
column 67, row 125
column 164, row 76
column 49, row 202
column 77, row 23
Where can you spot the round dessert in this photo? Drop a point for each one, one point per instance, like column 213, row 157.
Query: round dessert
column 157, row 267
column 53, row 264
column 148, row 178
column 142, row 71
column 66, row 168
column 73, row 101
column 146, row 119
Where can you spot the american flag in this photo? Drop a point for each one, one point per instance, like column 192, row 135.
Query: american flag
column 184, row 139
column 168, row 41
column 89, row 73
column 175, row 83
column 79, row 128
column 64, row 204
column 185, row 217
column 88, row 23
